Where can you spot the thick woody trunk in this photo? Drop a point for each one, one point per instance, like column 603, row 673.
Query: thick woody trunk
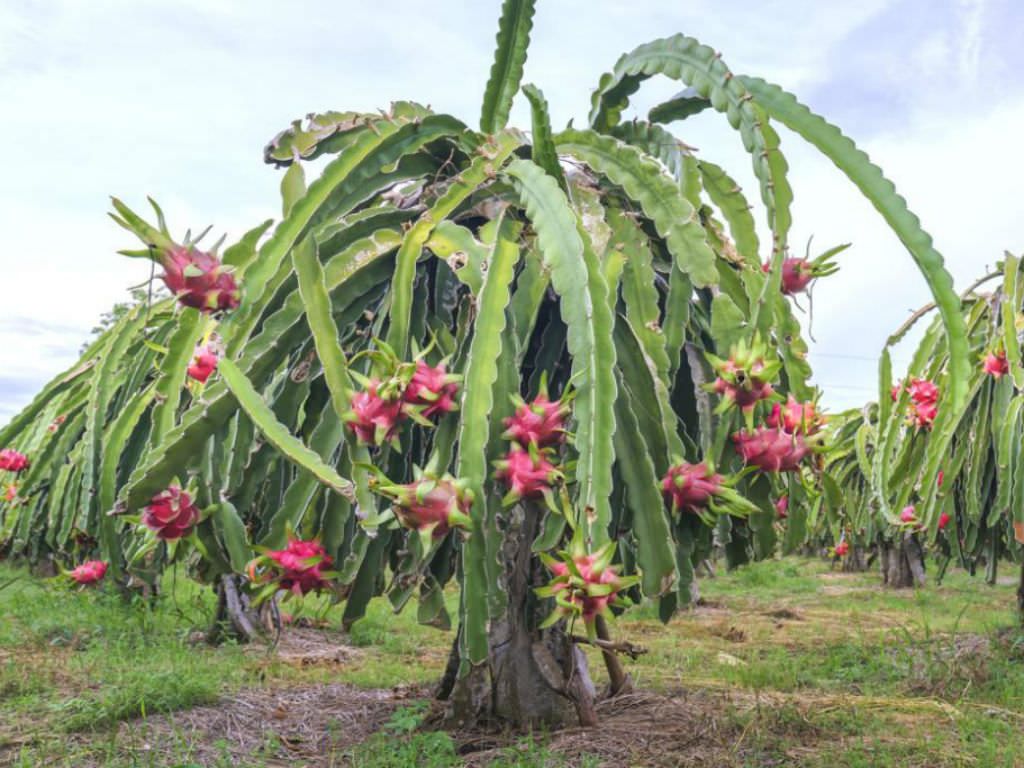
column 532, row 678
column 903, row 562
column 856, row 560
column 238, row 619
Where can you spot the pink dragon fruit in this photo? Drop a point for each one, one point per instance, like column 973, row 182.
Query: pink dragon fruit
column 526, row 473
column 922, row 415
column 923, row 391
column 431, row 505
column 690, row 486
column 171, row 514
column 842, row 548
column 540, row 422
column 89, row 572
column 299, row 567
column 944, row 519
column 204, row 363
column 13, row 461
column 895, row 391
column 771, row 449
column 940, row 478
column 782, row 507
column 431, row 390
column 908, row 515
column 376, row 414
column 996, row 364
column 797, row 274
column 795, row 417
column 584, row 585
column 745, row 378
column 199, row 279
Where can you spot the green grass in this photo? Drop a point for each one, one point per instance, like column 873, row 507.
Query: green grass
column 809, row 667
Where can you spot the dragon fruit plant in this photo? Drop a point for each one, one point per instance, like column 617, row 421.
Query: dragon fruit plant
column 925, row 476
column 573, row 291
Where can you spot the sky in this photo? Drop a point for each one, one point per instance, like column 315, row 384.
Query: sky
column 177, row 99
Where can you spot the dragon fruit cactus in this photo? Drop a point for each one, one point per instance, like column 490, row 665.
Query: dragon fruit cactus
column 528, row 474
column 745, row 378
column 996, row 364
column 55, row 425
column 431, row 504
column 771, row 450
column 298, row 568
column 171, row 514
column 431, row 391
column 584, row 585
column 540, row 422
column 798, row 274
column 375, row 413
column 795, row 417
column 204, row 363
column 89, row 572
column 13, row 461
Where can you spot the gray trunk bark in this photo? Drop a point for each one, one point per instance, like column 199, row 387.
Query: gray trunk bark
column 903, row 562
column 532, row 678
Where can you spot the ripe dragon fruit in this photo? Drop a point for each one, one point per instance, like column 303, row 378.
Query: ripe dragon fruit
column 745, row 378
column 996, row 364
column 299, row 567
column 527, row 474
column 908, row 515
column 199, row 279
column 782, row 507
column 89, row 572
column 690, row 486
column 923, row 407
column 171, row 514
column 431, row 390
column 584, row 585
column 540, row 422
column 204, row 363
column 797, row 274
column 944, row 519
column 795, row 417
column 923, row 391
column 922, row 415
column 431, row 505
column 842, row 548
column 771, row 450
column 375, row 413
column 13, row 461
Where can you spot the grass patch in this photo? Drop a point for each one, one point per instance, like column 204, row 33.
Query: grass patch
column 813, row 667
